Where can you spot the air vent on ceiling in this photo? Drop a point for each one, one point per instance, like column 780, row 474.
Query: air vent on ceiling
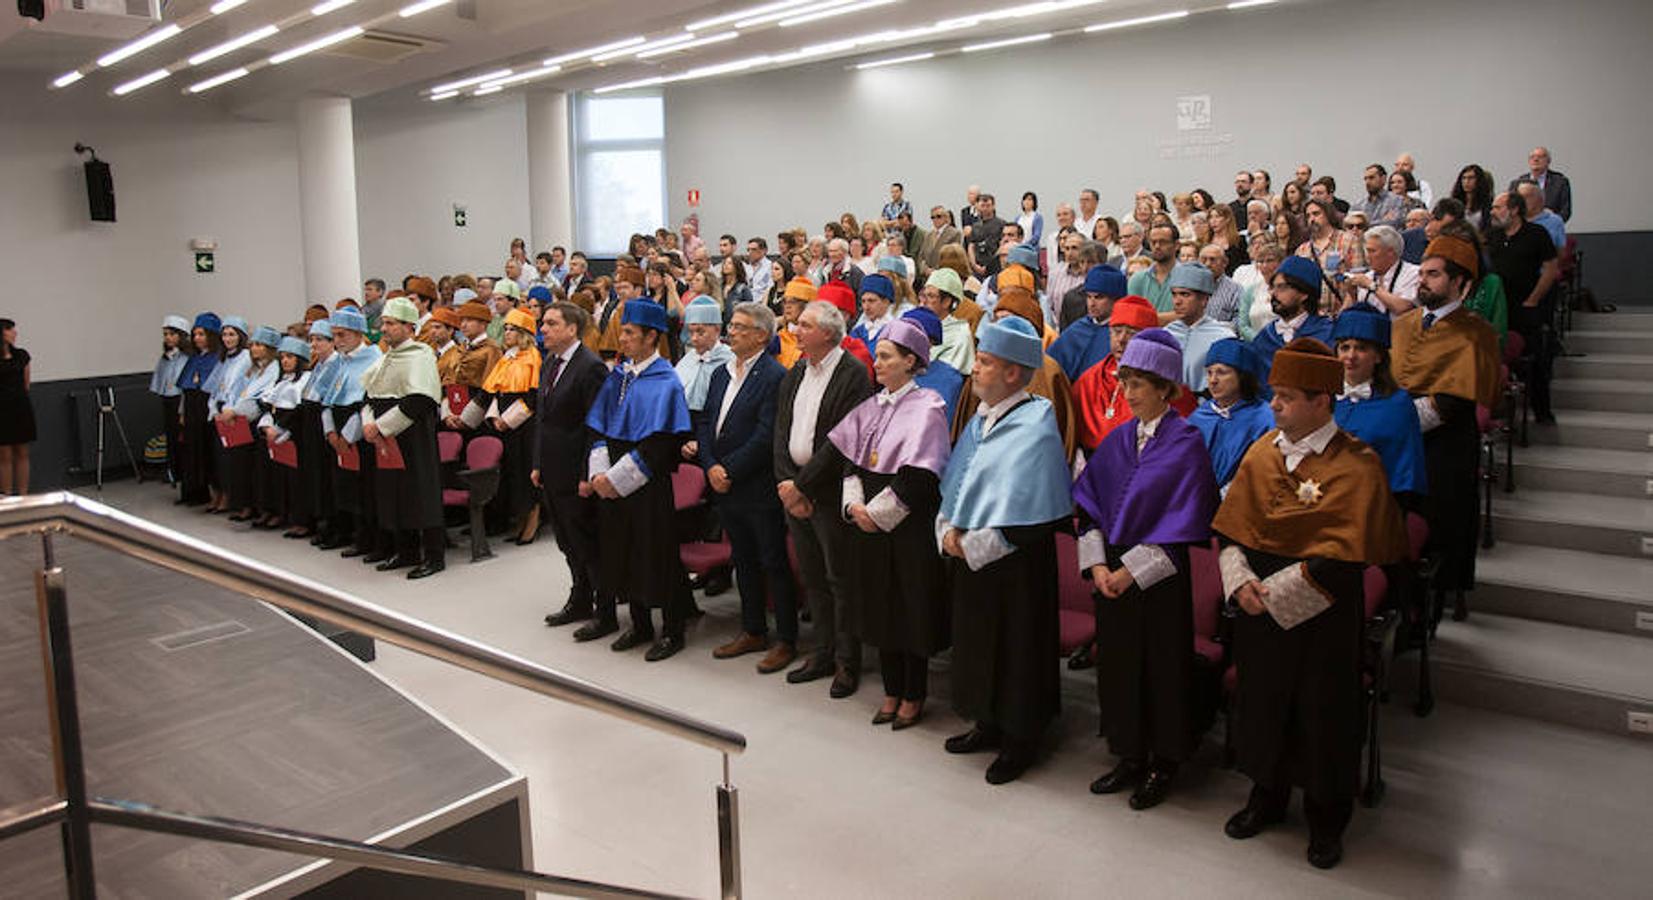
column 379, row 47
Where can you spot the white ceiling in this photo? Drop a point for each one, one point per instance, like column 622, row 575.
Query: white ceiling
column 474, row 36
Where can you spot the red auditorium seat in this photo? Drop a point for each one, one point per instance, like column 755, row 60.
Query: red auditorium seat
column 448, row 446
column 481, row 479
column 688, row 486
column 1075, row 607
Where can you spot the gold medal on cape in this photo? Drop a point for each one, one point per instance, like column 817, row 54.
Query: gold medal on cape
column 874, row 458
column 1308, row 492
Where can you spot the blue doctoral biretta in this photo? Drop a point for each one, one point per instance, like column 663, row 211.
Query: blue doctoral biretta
column 646, row 313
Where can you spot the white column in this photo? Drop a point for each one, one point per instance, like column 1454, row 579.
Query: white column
column 550, row 174
column 327, row 199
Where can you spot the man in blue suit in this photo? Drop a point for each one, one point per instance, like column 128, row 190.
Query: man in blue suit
column 735, row 439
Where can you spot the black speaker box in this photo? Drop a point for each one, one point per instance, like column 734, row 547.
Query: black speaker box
column 100, row 191
column 34, row 9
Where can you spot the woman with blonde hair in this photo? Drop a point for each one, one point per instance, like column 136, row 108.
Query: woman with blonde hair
column 1225, row 233
column 1184, row 218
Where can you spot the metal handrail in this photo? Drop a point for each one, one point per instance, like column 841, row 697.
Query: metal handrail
column 125, row 533
column 75, row 811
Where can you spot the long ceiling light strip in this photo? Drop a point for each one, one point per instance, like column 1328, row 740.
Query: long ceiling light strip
column 414, row 9
column 706, row 41
column 145, row 41
column 669, row 41
column 591, row 52
column 819, row 14
column 895, row 61
column 327, row 6
column 747, row 13
column 165, row 32
column 321, row 43
column 236, row 43
column 1006, row 42
column 141, row 81
column 474, row 79
column 787, row 13
column 1140, row 20
column 216, row 80
column 519, row 78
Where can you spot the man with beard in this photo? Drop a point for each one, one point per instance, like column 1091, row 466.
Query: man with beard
column 1294, row 295
column 1155, row 284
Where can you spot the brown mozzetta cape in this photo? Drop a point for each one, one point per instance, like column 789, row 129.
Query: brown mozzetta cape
column 1354, row 520
column 447, row 365
column 476, row 362
column 1458, row 356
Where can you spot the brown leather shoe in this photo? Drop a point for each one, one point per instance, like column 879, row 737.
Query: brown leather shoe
column 779, row 657
column 740, row 646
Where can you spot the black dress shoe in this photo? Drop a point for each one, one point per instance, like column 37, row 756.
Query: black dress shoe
column 845, row 683
column 718, row 583
column 569, row 614
column 1152, row 791
column 1251, row 821
column 1082, row 659
column 973, row 741
column 1008, row 766
column 1460, row 611
column 425, row 570
column 353, row 552
column 329, row 542
column 815, row 668
column 1128, row 773
column 376, row 557
column 596, row 628
column 631, row 639
column 395, row 562
column 1325, row 853
column 665, row 648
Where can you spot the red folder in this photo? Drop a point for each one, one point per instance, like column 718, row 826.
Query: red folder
column 284, row 453
column 459, row 395
column 389, row 454
column 350, row 460
column 235, row 434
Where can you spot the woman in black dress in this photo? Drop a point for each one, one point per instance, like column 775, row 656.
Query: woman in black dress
column 16, row 412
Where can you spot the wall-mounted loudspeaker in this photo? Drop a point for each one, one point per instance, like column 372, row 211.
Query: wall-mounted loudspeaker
column 33, row 9
column 100, row 186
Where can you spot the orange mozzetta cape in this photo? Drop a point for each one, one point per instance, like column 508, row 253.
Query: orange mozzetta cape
column 1351, row 517
column 1458, row 356
column 514, row 374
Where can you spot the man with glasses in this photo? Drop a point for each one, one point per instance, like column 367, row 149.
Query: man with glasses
column 942, row 232
column 1155, row 283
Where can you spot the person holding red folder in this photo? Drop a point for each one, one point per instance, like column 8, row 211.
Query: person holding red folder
column 244, row 462
column 399, row 422
column 356, row 527
column 280, row 426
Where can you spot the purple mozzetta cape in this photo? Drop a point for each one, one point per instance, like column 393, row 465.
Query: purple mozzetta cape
column 1167, row 496
column 882, row 437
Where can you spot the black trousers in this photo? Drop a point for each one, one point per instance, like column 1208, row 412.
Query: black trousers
column 820, row 546
column 757, row 541
column 1327, row 818
column 574, row 525
column 174, row 431
column 906, row 675
column 428, row 545
column 1534, row 325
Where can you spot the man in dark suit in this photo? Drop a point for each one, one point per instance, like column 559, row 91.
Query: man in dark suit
column 735, row 444
column 1558, row 191
column 569, row 380
column 820, row 390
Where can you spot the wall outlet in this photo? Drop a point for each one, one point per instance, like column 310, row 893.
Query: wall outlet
column 1639, row 722
column 1644, row 621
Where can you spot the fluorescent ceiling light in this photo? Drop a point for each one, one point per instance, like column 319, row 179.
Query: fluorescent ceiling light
column 485, row 91
column 251, row 37
column 635, row 49
column 467, row 82
column 747, row 13
column 1141, row 20
column 739, row 65
column 1247, row 4
column 445, row 95
column 698, row 42
column 139, row 45
column 224, row 6
column 820, row 14
column 337, row 37
column 322, row 9
column 67, row 79
column 217, row 80
column 414, row 9
column 1006, row 42
column 143, row 81
column 520, row 77
column 629, row 85
column 788, row 13
column 879, row 63
column 595, row 51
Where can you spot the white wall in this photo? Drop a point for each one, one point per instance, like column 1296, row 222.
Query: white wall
column 413, row 163
column 89, row 297
column 1339, row 84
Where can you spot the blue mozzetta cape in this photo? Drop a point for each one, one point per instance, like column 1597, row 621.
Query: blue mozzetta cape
column 945, row 380
column 347, row 389
column 652, row 403
column 1267, row 342
column 1227, row 438
column 197, row 372
column 164, row 381
column 1081, row 345
column 1389, row 425
column 1017, row 475
column 322, row 379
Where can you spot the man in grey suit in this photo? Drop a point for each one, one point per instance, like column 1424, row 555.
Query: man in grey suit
column 927, row 253
column 1558, row 191
column 821, row 389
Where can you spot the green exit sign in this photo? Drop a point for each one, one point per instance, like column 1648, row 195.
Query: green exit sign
column 204, row 263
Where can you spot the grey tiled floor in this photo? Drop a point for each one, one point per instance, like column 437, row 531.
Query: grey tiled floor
column 1479, row 804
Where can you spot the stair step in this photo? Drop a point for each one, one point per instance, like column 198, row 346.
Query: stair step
column 1625, row 366
column 1586, row 522
column 1570, row 676
column 1619, row 339
column 1568, row 587
column 1594, row 429
column 1604, row 394
column 1628, row 318
column 1584, row 470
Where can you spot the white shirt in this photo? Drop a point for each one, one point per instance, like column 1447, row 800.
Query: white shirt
column 1401, row 279
column 1446, row 309
column 1145, row 432
column 1356, row 392
column 758, row 276
column 1288, row 329
column 996, row 412
column 636, row 368
column 806, row 406
column 738, row 370
column 1312, row 443
column 1087, row 227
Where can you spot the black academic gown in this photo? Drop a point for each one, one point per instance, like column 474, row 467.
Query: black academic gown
column 1145, row 663
column 1006, row 637
column 898, row 598
column 410, row 499
column 353, row 491
column 1452, row 455
column 315, row 463
column 1299, row 715
column 517, row 493
column 199, row 443
column 636, row 533
column 292, row 500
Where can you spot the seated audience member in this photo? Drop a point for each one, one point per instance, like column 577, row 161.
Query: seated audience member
column 1391, row 283
column 1255, row 309
column 1373, row 408
column 1237, row 413
column 1226, row 294
column 1191, row 286
column 1294, row 294
column 1144, row 499
column 1294, row 559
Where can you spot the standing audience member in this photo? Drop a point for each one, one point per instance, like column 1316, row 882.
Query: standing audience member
column 17, row 430
column 1524, row 258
